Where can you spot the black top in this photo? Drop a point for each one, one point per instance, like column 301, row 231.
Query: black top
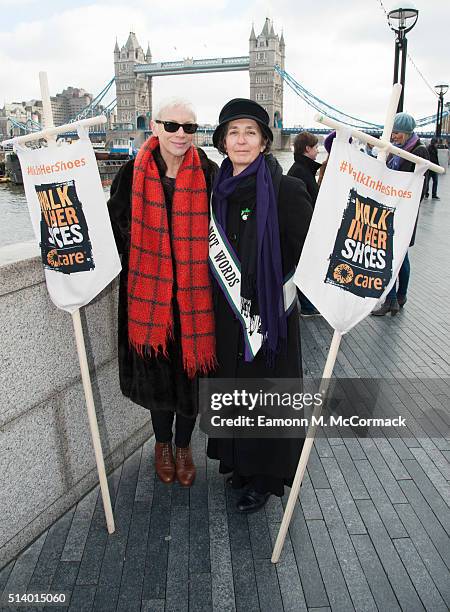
column 168, row 185
column 408, row 166
column 154, row 383
column 273, row 461
column 306, row 169
column 433, row 153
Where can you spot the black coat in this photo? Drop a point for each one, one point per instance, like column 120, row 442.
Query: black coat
column 408, row 166
column 152, row 382
column 421, row 151
column 274, row 459
column 433, row 153
column 306, row 169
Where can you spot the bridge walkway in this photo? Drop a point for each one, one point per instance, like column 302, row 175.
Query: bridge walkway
column 371, row 530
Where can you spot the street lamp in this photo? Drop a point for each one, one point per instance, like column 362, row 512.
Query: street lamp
column 402, row 18
column 441, row 90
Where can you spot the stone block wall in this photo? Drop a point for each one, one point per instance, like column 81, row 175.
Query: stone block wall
column 47, row 461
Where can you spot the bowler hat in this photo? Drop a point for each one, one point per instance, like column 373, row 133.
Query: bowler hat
column 404, row 123
column 242, row 108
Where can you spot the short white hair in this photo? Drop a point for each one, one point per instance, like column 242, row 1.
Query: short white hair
column 174, row 103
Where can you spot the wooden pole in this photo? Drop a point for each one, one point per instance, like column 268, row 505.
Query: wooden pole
column 85, row 377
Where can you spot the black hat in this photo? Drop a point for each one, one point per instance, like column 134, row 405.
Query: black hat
column 242, row 108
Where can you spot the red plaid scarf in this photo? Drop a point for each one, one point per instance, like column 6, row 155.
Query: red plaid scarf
column 152, row 250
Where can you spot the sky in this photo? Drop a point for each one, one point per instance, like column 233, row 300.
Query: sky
column 343, row 52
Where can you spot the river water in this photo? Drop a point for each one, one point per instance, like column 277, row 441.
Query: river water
column 15, row 224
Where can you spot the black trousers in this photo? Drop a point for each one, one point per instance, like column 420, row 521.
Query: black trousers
column 162, row 426
column 432, row 176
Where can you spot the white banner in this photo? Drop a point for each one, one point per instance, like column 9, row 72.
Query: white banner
column 359, row 234
column 70, row 220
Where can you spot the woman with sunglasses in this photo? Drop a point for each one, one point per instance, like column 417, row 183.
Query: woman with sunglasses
column 259, row 219
column 159, row 212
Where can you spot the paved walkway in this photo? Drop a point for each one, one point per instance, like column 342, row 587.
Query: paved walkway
column 371, row 531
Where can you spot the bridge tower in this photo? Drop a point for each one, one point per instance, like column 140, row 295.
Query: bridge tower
column 133, row 91
column 266, row 85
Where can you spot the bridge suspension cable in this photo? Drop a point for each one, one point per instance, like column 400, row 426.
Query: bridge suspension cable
column 108, row 109
column 89, row 110
column 28, row 126
column 334, row 113
column 323, row 107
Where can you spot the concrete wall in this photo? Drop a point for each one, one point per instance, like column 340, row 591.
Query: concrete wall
column 46, row 459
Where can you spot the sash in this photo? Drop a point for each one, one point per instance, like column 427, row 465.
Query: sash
column 227, row 271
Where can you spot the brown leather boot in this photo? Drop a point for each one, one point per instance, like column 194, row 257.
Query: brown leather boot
column 164, row 463
column 185, row 466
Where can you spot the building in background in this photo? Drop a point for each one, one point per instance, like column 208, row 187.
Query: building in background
column 14, row 114
column 65, row 107
column 266, row 85
column 134, row 95
column 69, row 103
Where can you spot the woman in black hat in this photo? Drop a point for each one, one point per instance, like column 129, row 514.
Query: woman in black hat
column 263, row 218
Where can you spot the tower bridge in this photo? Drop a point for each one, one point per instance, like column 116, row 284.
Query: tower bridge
column 135, row 71
column 193, row 66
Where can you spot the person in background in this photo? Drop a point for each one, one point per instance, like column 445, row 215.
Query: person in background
column 265, row 217
column 159, row 214
column 403, row 136
column 432, row 176
column 305, row 167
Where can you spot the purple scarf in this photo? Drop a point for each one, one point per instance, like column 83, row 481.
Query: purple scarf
column 394, row 161
column 260, row 258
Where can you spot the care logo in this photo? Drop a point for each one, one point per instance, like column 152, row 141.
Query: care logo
column 343, row 274
column 53, row 258
column 361, row 261
column 65, row 244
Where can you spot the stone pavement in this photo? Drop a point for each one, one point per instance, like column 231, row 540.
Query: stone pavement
column 371, row 531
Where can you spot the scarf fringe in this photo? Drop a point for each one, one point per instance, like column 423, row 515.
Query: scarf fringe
column 203, row 367
column 270, row 354
column 150, row 351
column 192, row 368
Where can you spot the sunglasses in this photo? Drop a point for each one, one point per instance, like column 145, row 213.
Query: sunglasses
column 173, row 126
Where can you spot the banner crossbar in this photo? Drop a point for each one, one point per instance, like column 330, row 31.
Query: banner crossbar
column 55, row 131
column 387, row 146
